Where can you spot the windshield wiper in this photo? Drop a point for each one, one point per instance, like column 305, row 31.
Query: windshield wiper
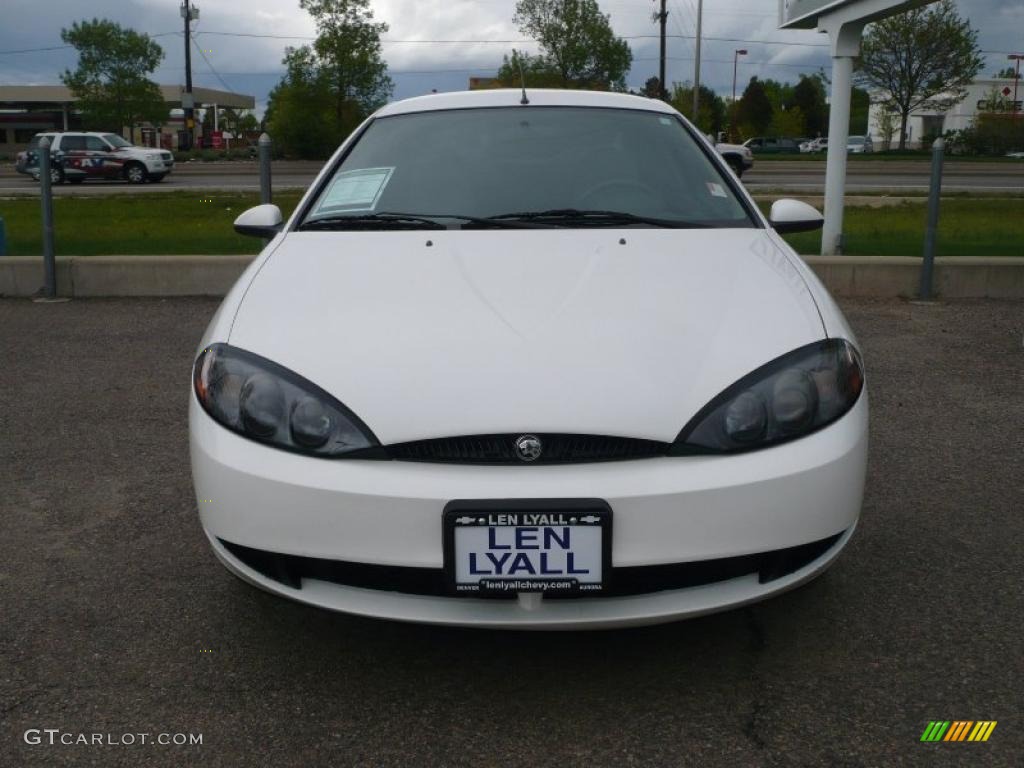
column 392, row 220
column 566, row 216
column 372, row 221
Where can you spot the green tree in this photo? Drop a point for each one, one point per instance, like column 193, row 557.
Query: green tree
column 535, row 71
column 754, row 109
column 788, row 122
column 1007, row 73
column 576, row 42
column 926, row 55
column 809, row 98
column 329, row 87
column 860, row 109
column 110, row 82
column 711, row 109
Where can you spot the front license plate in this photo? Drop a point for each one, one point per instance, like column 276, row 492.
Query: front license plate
column 503, row 547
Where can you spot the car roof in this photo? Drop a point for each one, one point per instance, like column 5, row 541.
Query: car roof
column 511, row 97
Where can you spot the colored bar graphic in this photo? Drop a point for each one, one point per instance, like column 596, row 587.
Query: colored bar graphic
column 935, row 730
column 958, row 730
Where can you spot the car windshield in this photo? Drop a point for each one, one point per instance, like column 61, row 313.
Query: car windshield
column 527, row 167
column 856, row 140
column 116, row 141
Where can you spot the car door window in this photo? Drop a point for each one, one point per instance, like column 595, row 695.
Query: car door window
column 72, row 143
column 96, row 144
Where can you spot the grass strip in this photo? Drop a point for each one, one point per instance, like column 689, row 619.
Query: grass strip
column 201, row 223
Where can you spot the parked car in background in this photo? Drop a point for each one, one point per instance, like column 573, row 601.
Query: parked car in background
column 819, row 144
column 77, row 156
column 738, row 157
column 858, row 145
column 773, row 145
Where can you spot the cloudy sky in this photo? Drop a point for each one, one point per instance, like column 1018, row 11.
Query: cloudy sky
column 247, row 59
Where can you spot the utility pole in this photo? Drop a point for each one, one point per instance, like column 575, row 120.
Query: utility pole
column 1016, row 79
column 661, row 18
column 188, row 13
column 696, row 62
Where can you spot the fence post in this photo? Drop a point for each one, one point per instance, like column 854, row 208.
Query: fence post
column 46, row 192
column 265, row 190
column 930, row 233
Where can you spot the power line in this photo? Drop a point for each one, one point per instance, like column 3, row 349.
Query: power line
column 210, row 65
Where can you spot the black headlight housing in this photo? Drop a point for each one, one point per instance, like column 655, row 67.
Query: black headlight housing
column 266, row 402
column 790, row 397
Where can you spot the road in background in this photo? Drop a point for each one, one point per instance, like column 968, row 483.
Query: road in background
column 807, row 177
column 117, row 619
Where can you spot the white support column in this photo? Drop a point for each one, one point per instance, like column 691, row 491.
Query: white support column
column 845, row 39
column 216, row 118
column 64, row 114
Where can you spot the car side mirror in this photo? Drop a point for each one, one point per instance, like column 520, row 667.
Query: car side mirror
column 262, row 221
column 794, row 216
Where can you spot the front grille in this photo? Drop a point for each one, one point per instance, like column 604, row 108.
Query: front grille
column 501, row 449
column 290, row 570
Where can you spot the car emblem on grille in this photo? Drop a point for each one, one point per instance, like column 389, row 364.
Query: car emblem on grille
column 529, row 447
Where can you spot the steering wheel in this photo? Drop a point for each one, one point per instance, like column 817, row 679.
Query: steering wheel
column 629, row 185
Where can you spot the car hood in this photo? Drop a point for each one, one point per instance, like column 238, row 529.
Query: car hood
column 442, row 333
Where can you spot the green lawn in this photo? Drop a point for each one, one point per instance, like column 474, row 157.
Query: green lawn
column 986, row 227
column 182, row 223
column 143, row 224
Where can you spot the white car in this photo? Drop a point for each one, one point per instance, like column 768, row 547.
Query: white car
column 79, row 156
column 814, row 145
column 859, row 145
column 738, row 157
column 528, row 362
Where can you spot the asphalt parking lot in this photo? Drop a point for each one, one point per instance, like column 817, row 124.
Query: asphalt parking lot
column 116, row 619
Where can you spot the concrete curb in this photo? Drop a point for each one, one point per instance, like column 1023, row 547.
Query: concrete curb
column 855, row 276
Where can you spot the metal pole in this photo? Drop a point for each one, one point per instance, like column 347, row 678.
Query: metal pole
column 835, row 167
column 46, row 192
column 265, row 190
column 1016, row 79
column 930, row 233
column 735, row 64
column 190, row 114
column 662, row 18
column 696, row 62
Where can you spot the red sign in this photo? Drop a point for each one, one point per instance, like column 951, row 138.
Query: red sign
column 1007, row 91
column 217, row 139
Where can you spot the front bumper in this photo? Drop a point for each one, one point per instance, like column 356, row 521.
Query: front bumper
column 667, row 511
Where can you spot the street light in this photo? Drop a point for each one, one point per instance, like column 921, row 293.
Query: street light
column 735, row 63
column 1016, row 79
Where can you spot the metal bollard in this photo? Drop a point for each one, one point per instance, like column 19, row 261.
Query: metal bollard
column 265, row 190
column 930, row 233
column 46, row 192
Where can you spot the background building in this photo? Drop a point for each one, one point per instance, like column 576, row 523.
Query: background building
column 25, row 110
column 926, row 122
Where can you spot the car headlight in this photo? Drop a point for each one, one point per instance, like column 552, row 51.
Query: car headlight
column 264, row 401
column 790, row 397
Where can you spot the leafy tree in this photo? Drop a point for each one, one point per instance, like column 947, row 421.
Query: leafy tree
column 926, row 55
column 329, row 87
column 787, row 122
column 1007, row 73
column 710, row 111
column 860, row 108
column 809, row 98
column 576, row 42
column 754, row 109
column 110, row 82
column 535, row 71
column 652, row 88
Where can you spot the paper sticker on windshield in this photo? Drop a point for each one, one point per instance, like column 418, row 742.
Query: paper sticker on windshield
column 355, row 190
column 716, row 189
